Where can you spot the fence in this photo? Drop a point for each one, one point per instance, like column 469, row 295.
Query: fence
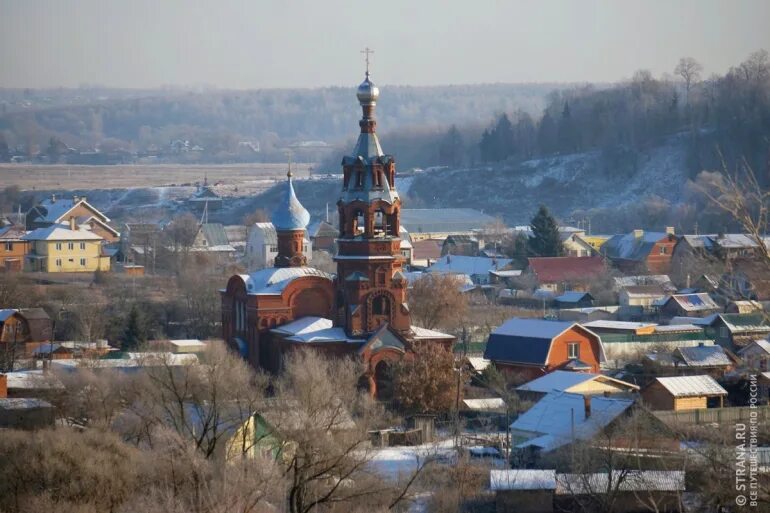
column 714, row 415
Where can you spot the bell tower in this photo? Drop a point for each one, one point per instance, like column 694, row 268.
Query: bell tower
column 371, row 289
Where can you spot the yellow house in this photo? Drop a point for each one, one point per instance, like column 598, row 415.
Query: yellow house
column 595, row 241
column 60, row 248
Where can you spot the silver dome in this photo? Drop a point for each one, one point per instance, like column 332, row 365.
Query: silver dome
column 367, row 91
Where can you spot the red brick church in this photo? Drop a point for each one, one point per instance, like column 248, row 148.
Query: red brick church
column 362, row 310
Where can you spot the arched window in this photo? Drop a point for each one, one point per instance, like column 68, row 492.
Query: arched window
column 379, row 276
column 360, row 223
column 359, row 178
column 380, row 224
column 381, row 305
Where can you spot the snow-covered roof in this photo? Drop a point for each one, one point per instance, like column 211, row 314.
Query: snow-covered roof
column 290, row 214
column 6, row 312
column 507, row 273
column 274, row 280
column 704, row 356
column 573, row 297
column 522, row 479
column 632, row 246
column 694, row 302
column 487, row 404
column 645, row 279
column 426, row 334
column 32, row 380
column 478, row 363
column 459, row 264
column 762, row 345
column 624, row 480
column 617, row 325
column 312, row 329
column 23, row 403
column 692, row 386
column 677, row 328
column 562, row 381
column 53, row 210
column 57, row 232
column 560, row 417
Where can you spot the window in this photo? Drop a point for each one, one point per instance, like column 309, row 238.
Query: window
column 58, row 262
column 574, row 350
column 9, row 246
column 381, row 306
column 70, row 246
column 82, row 262
column 58, row 246
column 83, row 245
column 663, row 250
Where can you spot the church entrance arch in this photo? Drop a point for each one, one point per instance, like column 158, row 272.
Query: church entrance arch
column 383, row 380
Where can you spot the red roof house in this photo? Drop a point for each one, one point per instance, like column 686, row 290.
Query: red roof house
column 566, row 273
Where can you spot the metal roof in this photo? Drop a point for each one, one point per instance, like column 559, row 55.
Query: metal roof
column 444, row 220
column 622, row 480
column 694, row 302
column 57, row 232
column 290, row 214
column 630, row 247
column 562, row 381
column 274, row 279
column 573, row 297
column 312, row 329
column 704, row 356
column 468, row 265
column 692, row 386
column 522, row 479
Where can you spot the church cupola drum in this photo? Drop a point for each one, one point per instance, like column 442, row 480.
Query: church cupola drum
column 371, row 289
column 290, row 220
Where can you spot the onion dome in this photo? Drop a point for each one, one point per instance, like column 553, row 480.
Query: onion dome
column 290, row 214
column 367, row 92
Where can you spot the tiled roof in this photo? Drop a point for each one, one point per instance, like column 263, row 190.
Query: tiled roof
column 559, row 269
column 692, row 386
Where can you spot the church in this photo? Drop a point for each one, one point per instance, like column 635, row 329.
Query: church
column 362, row 311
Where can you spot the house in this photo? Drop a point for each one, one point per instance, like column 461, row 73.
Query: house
column 52, row 351
column 641, row 296
column 212, row 238
column 20, row 329
column 425, row 252
column 575, row 244
column 138, row 242
column 40, row 324
column 756, row 355
column 323, row 236
column 523, row 490
column 53, row 211
column 478, row 268
column 26, row 413
column 439, row 223
column 565, row 273
column 62, row 248
column 534, row 347
column 641, row 251
column 689, row 305
column 583, row 315
column 204, row 199
column 13, row 248
column 743, row 307
column 262, row 246
column 749, row 278
column 465, row 245
column 561, row 418
column 13, row 326
column 662, row 280
column 734, row 331
column 545, row 491
column 237, row 236
column 574, row 299
column 683, row 393
column 583, row 383
column 407, row 250
column 700, row 359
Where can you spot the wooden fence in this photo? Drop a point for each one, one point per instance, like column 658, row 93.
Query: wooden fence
column 714, row 415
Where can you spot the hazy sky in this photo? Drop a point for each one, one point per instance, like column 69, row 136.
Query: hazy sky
column 265, row 43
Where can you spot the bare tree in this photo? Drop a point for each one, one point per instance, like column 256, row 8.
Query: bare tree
column 428, row 382
column 436, row 301
column 689, row 69
column 260, row 215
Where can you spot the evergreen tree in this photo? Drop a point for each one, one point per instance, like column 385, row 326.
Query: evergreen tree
column 135, row 333
column 450, row 149
column 545, row 240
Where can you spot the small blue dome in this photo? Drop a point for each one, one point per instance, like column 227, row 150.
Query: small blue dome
column 290, row 214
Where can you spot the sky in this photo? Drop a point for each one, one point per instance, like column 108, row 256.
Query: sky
column 246, row 44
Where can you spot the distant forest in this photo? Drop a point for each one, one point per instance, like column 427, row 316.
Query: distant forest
column 148, row 122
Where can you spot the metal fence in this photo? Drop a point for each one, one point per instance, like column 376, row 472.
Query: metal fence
column 714, row 415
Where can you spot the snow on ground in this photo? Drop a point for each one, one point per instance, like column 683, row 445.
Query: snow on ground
column 400, row 461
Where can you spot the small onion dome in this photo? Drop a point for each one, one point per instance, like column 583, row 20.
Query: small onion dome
column 290, row 214
column 367, row 91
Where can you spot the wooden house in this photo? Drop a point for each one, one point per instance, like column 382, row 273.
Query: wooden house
column 13, row 248
column 559, row 274
column 689, row 305
column 756, row 355
column 683, row 393
column 534, row 347
column 641, row 251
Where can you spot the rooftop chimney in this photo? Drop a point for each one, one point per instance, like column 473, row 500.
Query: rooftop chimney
column 72, row 223
column 587, row 402
column 638, row 234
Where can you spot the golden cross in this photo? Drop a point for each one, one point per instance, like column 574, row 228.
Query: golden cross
column 367, row 51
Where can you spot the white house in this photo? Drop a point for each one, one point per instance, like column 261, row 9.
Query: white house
column 262, row 246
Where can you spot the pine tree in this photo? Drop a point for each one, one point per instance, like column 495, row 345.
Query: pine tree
column 450, row 149
column 545, row 240
column 134, row 333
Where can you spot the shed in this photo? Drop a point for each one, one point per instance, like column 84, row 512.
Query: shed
column 574, row 299
column 523, row 490
column 25, row 413
column 683, row 393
